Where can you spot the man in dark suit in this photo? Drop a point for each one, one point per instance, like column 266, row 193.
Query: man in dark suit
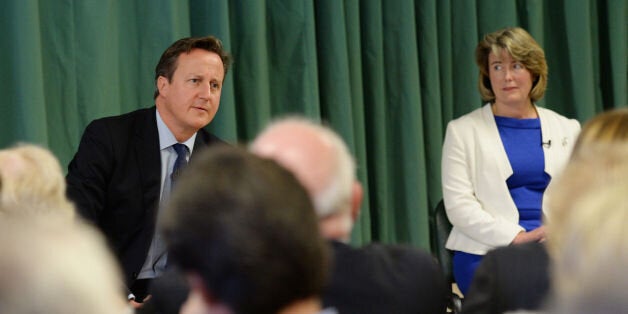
column 510, row 278
column 124, row 165
column 373, row 279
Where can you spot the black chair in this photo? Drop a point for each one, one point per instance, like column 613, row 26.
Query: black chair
column 439, row 231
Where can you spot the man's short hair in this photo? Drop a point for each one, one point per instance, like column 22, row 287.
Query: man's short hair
column 168, row 62
column 335, row 197
column 247, row 227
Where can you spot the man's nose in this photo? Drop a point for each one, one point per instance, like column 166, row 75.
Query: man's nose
column 206, row 90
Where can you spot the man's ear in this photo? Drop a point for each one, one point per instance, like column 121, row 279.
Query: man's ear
column 197, row 285
column 163, row 85
column 200, row 300
column 357, row 194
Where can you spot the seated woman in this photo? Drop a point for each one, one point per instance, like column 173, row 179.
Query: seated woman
column 516, row 277
column 499, row 159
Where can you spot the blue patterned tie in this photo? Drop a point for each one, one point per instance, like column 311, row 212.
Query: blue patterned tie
column 180, row 163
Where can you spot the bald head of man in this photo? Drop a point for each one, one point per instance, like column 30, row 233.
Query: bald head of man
column 322, row 163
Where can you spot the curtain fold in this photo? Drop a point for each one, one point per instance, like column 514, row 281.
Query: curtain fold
column 24, row 113
column 386, row 75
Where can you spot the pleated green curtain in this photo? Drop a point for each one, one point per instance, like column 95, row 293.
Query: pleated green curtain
column 385, row 74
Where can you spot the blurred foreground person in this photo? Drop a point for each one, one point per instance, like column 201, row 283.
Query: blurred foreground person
column 56, row 269
column 588, row 242
column 31, row 183
column 588, row 238
column 244, row 232
column 376, row 278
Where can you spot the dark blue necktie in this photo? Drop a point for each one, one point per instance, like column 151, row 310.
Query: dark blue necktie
column 178, row 166
column 180, row 163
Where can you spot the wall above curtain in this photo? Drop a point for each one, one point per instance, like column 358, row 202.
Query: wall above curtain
column 387, row 75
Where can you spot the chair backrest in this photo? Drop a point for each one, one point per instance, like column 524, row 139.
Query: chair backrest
column 440, row 227
column 439, row 232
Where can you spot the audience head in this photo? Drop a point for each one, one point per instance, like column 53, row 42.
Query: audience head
column 590, row 207
column 588, row 239
column 31, row 182
column 521, row 47
column 321, row 161
column 607, row 127
column 598, row 158
column 57, row 269
column 244, row 231
column 167, row 64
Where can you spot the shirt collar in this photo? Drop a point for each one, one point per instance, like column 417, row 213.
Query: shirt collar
column 167, row 139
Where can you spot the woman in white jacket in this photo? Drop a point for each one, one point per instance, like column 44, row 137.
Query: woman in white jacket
column 499, row 159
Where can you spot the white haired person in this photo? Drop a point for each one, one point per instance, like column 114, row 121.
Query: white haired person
column 32, row 183
column 373, row 279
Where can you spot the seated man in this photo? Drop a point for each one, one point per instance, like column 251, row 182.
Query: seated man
column 244, row 232
column 376, row 278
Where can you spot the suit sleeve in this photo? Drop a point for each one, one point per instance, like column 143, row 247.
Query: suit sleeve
column 90, row 170
column 429, row 284
column 464, row 209
column 438, row 291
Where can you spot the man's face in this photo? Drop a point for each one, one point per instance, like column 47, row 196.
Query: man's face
column 190, row 101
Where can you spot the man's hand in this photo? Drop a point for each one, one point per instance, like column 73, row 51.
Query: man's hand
column 137, row 305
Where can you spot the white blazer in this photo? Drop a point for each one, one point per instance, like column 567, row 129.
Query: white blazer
column 475, row 168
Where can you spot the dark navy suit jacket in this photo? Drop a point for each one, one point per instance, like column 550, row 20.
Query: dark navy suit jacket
column 114, row 180
column 381, row 278
column 510, row 278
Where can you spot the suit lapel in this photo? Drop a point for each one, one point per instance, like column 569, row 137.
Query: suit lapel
column 493, row 141
column 203, row 140
column 146, row 144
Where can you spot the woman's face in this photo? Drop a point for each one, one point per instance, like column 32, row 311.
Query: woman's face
column 510, row 79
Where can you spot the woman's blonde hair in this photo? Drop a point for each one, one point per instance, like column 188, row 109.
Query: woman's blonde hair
column 523, row 48
column 599, row 158
column 589, row 201
column 607, row 127
column 600, row 166
column 31, row 182
column 591, row 252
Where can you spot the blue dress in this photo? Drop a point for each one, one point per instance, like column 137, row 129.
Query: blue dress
column 522, row 141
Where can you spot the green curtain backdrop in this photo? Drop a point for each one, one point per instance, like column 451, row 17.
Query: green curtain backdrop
column 386, row 74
